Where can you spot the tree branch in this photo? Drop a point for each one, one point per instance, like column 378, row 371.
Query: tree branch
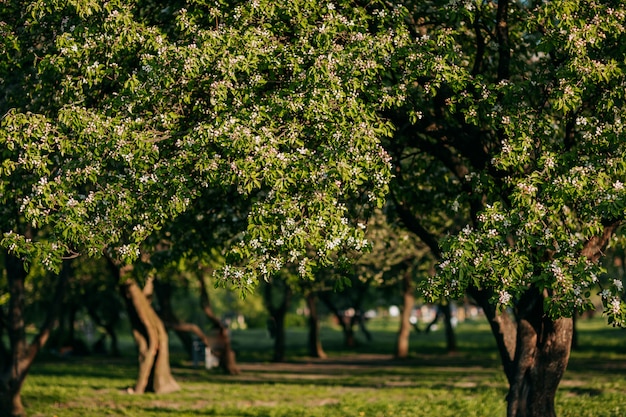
column 594, row 247
column 411, row 223
column 502, row 35
column 480, row 46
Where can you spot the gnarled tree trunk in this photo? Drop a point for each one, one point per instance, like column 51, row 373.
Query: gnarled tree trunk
column 541, row 356
column 534, row 350
column 314, row 340
column 150, row 336
column 18, row 358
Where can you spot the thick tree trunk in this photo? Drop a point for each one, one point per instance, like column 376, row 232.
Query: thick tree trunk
column 152, row 342
column 225, row 350
column 541, row 356
column 408, row 301
column 18, row 358
column 534, row 351
column 314, row 341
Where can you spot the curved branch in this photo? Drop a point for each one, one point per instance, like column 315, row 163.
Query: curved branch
column 411, row 223
column 594, row 247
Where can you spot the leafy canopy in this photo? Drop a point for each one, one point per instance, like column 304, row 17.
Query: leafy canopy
column 118, row 115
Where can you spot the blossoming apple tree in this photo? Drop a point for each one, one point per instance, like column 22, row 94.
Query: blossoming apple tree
column 117, row 115
column 520, row 109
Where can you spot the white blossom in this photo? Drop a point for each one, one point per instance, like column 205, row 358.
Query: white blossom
column 504, row 297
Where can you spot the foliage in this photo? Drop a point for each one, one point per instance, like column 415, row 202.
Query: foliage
column 521, row 104
column 116, row 121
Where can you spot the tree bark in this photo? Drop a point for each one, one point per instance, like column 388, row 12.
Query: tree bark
column 163, row 291
column 541, row 356
column 225, row 350
column 402, row 348
column 314, row 341
column 346, row 326
column 20, row 354
column 109, row 328
column 446, row 309
column 277, row 315
column 151, row 339
column 503, row 328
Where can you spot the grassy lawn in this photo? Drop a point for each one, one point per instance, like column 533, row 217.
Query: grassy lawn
column 361, row 382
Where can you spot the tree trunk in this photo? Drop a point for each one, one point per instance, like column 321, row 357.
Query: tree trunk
column 16, row 366
column 541, row 356
column 402, row 348
column 314, row 341
column 19, row 356
column 346, row 325
column 359, row 319
column 277, row 315
column 446, row 308
column 163, row 291
column 225, row 350
column 152, row 342
column 108, row 328
column 503, row 327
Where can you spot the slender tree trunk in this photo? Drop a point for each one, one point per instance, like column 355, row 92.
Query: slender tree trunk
column 315, row 342
column 108, row 328
column 541, row 356
column 20, row 355
column 277, row 314
column 151, row 339
column 225, row 350
column 446, row 309
column 280, row 337
column 71, row 319
column 503, row 327
column 163, row 291
column 4, row 352
column 16, row 367
column 402, row 348
column 346, row 326
column 359, row 319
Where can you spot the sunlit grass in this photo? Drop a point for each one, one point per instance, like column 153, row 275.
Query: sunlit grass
column 363, row 381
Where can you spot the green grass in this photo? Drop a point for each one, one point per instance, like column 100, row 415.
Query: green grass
column 360, row 382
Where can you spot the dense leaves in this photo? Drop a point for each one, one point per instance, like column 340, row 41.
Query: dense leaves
column 117, row 117
column 117, row 123
column 544, row 119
